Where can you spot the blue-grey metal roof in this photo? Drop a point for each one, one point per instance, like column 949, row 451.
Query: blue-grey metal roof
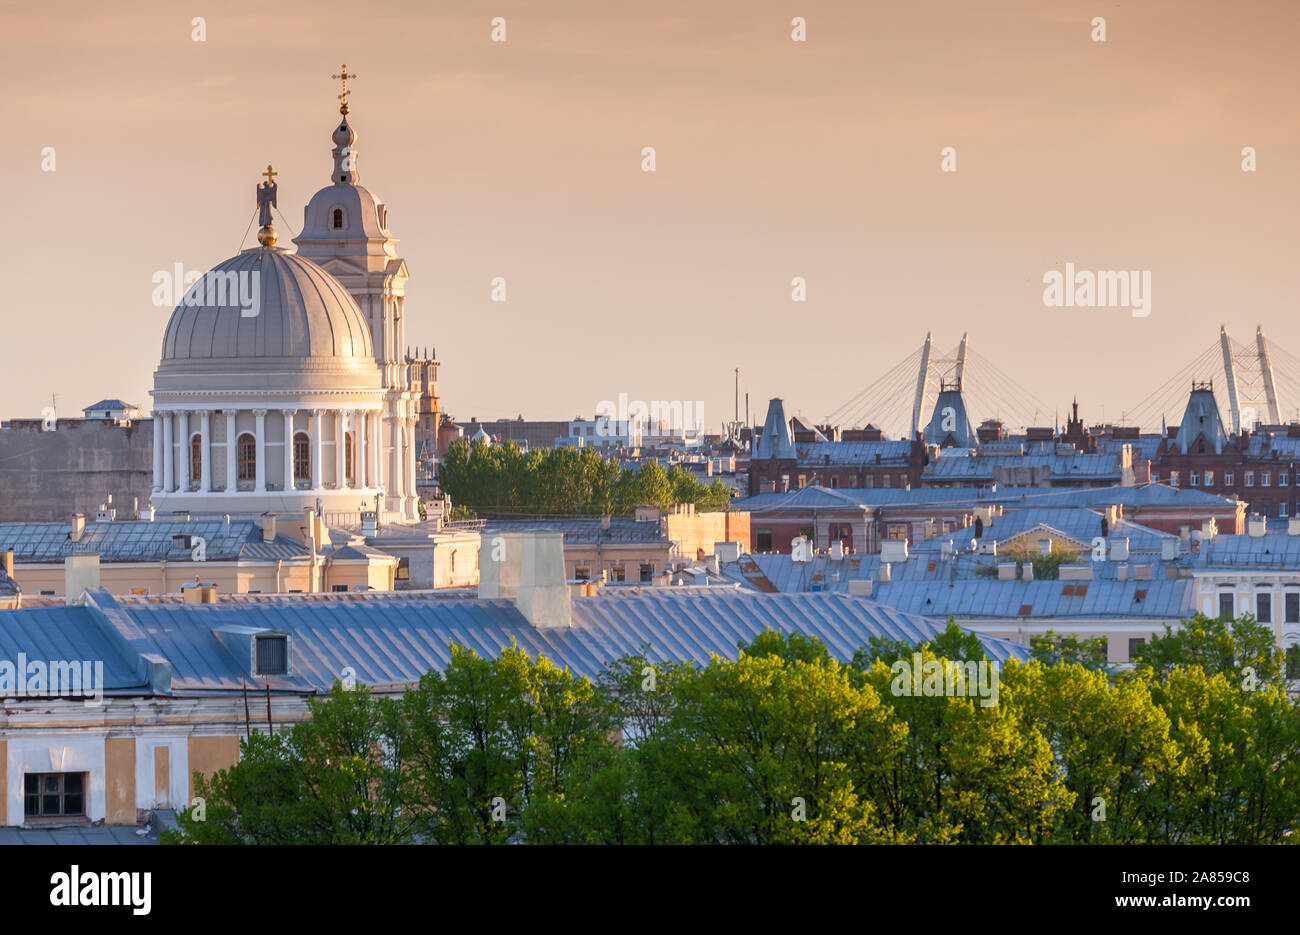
column 109, row 405
column 1162, row 598
column 949, row 422
column 392, row 640
column 582, row 529
column 1201, row 417
column 830, row 498
column 1273, row 551
column 1074, row 465
column 1266, row 444
column 775, row 440
column 1076, row 523
column 1129, row 497
column 141, row 541
column 68, row 634
column 891, row 453
column 1009, row 497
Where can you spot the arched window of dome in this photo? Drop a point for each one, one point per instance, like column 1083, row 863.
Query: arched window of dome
column 349, row 462
column 247, row 457
column 336, row 219
column 383, row 217
column 301, row 457
column 196, row 457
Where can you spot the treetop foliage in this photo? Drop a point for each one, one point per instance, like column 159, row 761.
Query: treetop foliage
column 784, row 744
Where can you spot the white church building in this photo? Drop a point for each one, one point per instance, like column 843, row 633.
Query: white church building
column 282, row 383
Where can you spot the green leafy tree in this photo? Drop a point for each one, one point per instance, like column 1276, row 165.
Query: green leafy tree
column 338, row 778
column 968, row 771
column 1111, row 744
column 1227, row 647
column 952, row 643
column 769, row 748
column 1052, row 647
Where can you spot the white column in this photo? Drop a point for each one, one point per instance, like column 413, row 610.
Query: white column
column 288, row 447
column 232, row 453
column 158, row 420
column 376, row 438
column 362, row 457
column 340, row 481
column 169, row 456
column 395, row 459
column 183, row 443
column 205, row 450
column 260, row 435
column 315, row 449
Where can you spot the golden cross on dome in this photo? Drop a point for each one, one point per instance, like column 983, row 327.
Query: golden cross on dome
column 270, row 174
column 344, row 76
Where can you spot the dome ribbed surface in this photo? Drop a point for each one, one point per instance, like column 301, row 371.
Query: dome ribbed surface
column 302, row 311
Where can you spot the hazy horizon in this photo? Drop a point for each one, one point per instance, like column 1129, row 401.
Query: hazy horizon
column 775, row 159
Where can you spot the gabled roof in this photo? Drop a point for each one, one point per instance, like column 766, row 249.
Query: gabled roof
column 1074, row 523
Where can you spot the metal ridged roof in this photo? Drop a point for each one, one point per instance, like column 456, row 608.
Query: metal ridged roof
column 892, row 453
column 1073, row 465
column 577, row 530
column 1076, row 523
column 140, row 540
column 392, row 641
column 1270, row 551
column 977, row 598
column 67, row 634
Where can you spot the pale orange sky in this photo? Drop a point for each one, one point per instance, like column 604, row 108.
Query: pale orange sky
column 775, row 159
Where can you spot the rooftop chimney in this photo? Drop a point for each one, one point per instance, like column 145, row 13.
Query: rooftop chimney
column 527, row 568
column 78, row 526
column 727, row 552
column 268, row 527
column 80, row 572
column 1256, row 527
column 8, row 561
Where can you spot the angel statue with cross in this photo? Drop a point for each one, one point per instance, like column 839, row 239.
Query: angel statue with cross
column 266, row 197
column 265, row 202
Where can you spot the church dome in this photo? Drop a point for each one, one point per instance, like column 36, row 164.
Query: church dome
column 267, row 303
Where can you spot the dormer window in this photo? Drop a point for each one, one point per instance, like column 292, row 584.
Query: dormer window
column 272, row 654
column 336, row 220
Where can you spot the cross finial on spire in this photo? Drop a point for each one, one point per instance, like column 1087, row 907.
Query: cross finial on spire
column 343, row 76
column 270, row 174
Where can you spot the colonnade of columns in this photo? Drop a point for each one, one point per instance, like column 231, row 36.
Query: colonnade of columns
column 175, row 432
